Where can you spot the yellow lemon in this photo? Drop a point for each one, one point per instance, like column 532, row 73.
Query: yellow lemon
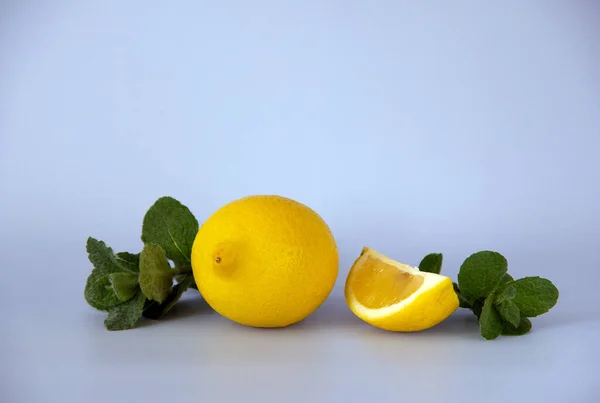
column 395, row 296
column 265, row 261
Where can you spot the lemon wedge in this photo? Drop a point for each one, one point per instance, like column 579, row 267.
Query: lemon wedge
column 395, row 296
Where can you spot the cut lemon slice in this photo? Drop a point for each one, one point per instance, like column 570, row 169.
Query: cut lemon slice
column 395, row 296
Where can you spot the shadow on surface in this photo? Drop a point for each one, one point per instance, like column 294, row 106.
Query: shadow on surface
column 191, row 306
column 332, row 314
column 461, row 324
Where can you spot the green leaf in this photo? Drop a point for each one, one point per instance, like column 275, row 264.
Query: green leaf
column 125, row 315
column 156, row 276
column 523, row 328
column 490, row 322
column 155, row 310
column 504, row 283
column 103, row 257
column 507, row 294
column 171, row 225
column 478, row 307
column 98, row 290
column 129, row 260
column 509, row 311
column 125, row 285
column 507, row 278
column 480, row 274
column 535, row 295
column 100, row 293
column 462, row 301
column 432, row 263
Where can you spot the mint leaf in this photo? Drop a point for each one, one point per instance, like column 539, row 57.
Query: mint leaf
column 156, row 275
column 100, row 293
column 480, row 274
column 124, row 285
column 171, row 225
column 504, row 283
column 129, row 260
column 125, row 315
column 478, row 307
column 507, row 294
column 523, row 328
column 509, row 311
column 490, row 322
column 507, row 278
column 462, row 301
column 98, row 290
column 535, row 295
column 103, row 257
column 155, row 310
column 431, row 263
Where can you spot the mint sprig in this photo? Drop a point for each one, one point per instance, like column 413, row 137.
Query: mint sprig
column 131, row 285
column 501, row 304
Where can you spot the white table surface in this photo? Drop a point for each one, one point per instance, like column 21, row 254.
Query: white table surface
column 56, row 349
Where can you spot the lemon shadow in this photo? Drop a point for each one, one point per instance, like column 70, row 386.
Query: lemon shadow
column 333, row 313
column 193, row 305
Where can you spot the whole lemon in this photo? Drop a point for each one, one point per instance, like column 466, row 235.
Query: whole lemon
column 265, row 261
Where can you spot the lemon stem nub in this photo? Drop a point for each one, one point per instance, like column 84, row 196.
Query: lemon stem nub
column 224, row 257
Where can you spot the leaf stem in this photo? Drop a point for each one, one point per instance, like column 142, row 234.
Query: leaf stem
column 181, row 270
column 463, row 303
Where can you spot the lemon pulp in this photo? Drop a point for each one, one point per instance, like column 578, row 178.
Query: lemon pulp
column 378, row 284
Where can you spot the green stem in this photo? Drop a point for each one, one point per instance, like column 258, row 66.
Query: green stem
column 462, row 301
column 181, row 270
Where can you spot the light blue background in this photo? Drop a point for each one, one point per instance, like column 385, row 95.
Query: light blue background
column 411, row 127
